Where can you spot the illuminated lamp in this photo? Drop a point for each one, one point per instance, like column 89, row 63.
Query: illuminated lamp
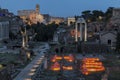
column 68, row 68
column 70, row 60
column 95, row 66
column 28, row 55
column 53, row 60
column 72, row 32
column 95, row 63
column 58, row 58
column 94, row 69
column 86, row 73
column 93, row 59
column 55, row 66
column 56, row 69
column 1, row 66
column 71, row 57
column 66, row 57
column 91, row 65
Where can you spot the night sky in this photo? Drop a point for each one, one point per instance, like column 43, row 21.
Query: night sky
column 59, row 8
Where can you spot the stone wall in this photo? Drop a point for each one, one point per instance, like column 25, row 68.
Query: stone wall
column 93, row 48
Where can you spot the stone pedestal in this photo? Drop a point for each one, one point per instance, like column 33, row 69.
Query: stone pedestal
column 24, row 55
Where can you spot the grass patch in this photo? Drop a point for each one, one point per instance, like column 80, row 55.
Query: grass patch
column 115, row 75
column 8, row 57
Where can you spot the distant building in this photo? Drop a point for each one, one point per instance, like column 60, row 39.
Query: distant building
column 34, row 16
column 5, row 12
column 108, row 38
column 116, row 12
column 31, row 16
column 46, row 17
column 14, row 21
column 50, row 19
column 63, row 35
column 70, row 21
column 56, row 20
column 25, row 13
column 96, row 26
column 114, row 23
column 15, row 24
column 4, row 30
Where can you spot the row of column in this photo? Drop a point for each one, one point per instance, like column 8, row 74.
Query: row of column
column 79, row 25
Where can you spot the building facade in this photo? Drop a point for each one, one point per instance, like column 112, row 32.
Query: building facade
column 116, row 12
column 114, row 23
column 5, row 12
column 15, row 24
column 56, row 20
column 31, row 16
column 70, row 21
column 4, row 30
column 108, row 38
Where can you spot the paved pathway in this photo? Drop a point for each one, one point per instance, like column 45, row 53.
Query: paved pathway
column 29, row 70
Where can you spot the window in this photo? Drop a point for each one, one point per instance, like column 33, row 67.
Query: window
column 109, row 42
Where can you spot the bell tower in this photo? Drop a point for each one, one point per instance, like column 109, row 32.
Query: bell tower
column 37, row 8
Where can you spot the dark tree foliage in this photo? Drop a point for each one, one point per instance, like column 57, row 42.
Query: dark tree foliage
column 44, row 32
column 94, row 15
column 108, row 13
column 97, row 13
column 87, row 15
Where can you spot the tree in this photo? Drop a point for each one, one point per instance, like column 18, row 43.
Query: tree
column 87, row 15
column 118, row 42
column 97, row 14
column 108, row 13
column 44, row 32
column 87, row 12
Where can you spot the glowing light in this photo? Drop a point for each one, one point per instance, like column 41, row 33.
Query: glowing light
column 56, row 69
column 32, row 73
column 1, row 66
column 28, row 55
column 35, row 66
column 91, row 65
column 56, row 58
column 73, row 32
column 33, row 70
column 38, row 62
column 86, row 73
column 67, row 68
column 53, row 60
column 69, row 58
column 55, row 66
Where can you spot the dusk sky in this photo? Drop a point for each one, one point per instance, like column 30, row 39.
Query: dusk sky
column 62, row 8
